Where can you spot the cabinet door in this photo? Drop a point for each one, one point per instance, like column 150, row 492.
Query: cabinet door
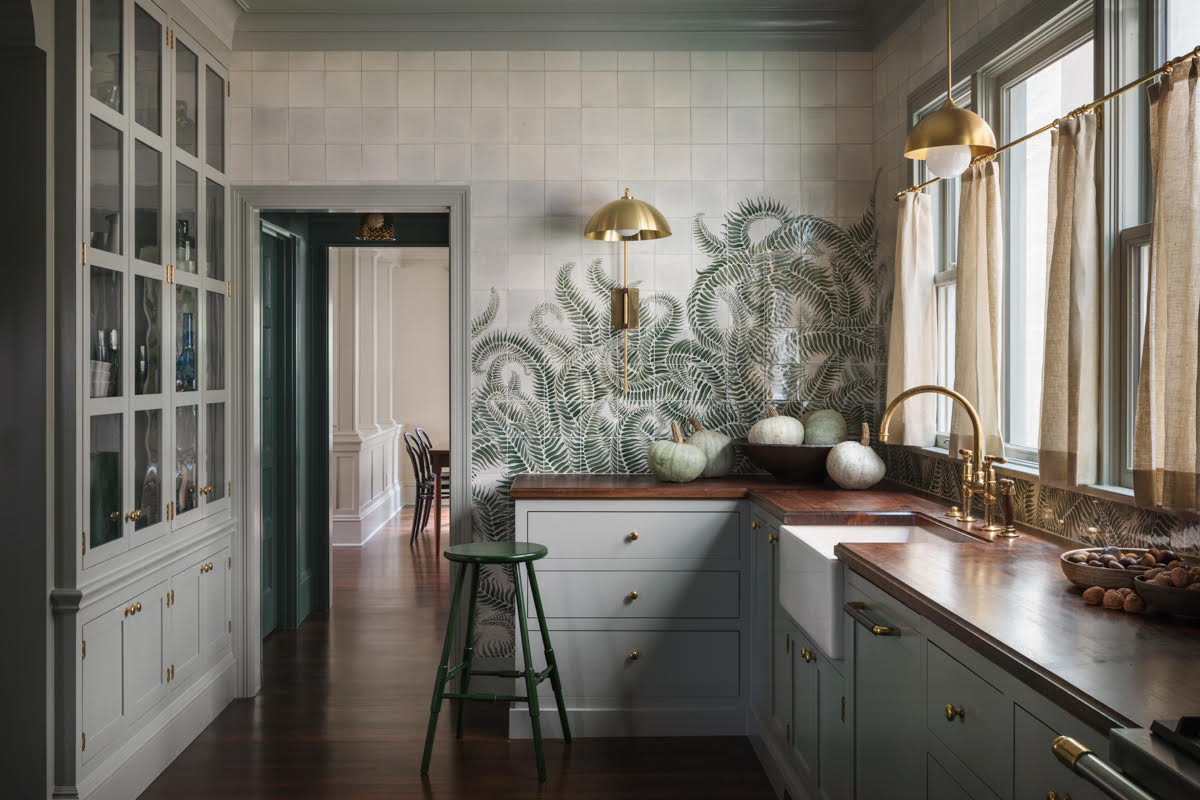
column 781, row 677
column 1037, row 772
column 835, row 750
column 941, row 785
column 144, row 678
column 101, row 683
column 888, row 704
column 761, row 616
column 214, row 612
column 183, row 639
column 805, row 734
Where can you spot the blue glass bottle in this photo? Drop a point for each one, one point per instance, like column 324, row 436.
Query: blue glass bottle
column 185, row 364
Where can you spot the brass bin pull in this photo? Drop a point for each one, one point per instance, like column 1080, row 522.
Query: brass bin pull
column 1083, row 762
column 955, row 712
column 754, row 525
column 855, row 609
column 772, row 538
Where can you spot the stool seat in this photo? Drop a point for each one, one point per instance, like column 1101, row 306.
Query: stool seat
column 496, row 552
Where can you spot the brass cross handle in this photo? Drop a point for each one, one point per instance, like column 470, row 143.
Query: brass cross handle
column 953, row 712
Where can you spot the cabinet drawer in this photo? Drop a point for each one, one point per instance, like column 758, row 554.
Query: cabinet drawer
column 695, row 535
column 669, row 664
column 940, row 785
column 982, row 734
column 1036, row 770
column 659, row 594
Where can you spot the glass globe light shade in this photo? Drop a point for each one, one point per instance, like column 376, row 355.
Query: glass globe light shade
column 948, row 161
column 627, row 232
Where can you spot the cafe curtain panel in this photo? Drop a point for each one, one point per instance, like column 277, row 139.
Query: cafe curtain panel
column 1166, row 462
column 1068, row 451
column 977, row 317
column 912, row 346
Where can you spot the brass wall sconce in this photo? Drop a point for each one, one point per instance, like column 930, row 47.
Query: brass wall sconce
column 626, row 220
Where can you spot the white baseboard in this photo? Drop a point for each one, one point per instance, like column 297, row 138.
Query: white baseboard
column 607, row 722
column 353, row 530
column 772, row 753
column 139, row 761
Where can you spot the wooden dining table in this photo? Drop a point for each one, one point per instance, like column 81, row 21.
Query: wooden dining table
column 439, row 460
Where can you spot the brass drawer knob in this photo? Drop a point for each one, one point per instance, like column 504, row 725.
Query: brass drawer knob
column 1057, row 796
column 772, row 538
column 754, row 524
column 634, row 655
column 633, row 595
column 809, row 656
column 953, row 712
column 633, row 535
column 133, row 516
column 137, row 607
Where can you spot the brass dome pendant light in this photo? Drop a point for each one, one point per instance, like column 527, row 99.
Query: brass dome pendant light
column 626, row 220
column 950, row 137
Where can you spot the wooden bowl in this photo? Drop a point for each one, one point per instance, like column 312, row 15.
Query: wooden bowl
column 797, row 463
column 1173, row 600
column 1086, row 577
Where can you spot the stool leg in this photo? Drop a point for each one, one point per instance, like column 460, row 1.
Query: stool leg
column 555, row 680
column 530, row 681
column 468, row 649
column 439, row 684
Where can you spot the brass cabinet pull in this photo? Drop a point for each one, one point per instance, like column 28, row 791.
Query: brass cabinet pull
column 634, row 655
column 133, row 516
column 754, row 524
column 115, row 516
column 809, row 655
column 137, row 606
column 1057, row 796
column 953, row 711
column 787, row 732
column 855, row 610
column 633, row 535
column 772, row 538
column 633, row 595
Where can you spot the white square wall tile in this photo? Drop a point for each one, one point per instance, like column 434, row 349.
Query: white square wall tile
column 379, row 126
column 598, row 89
column 241, row 60
column 489, row 89
column 564, row 198
column 781, row 125
column 415, row 88
column 526, row 235
column 269, row 125
column 818, row 198
column 745, row 162
column 563, row 162
column 489, row 162
column 710, row 88
column 635, row 88
column 818, row 88
column 526, row 199
column 854, row 87
column 854, row 125
column 855, row 60
column 306, row 60
column 636, row 125
column 268, row 60
column 343, row 89
column 343, row 162
column 563, row 90
column 744, row 60
column 818, row 162
column 380, row 60
column 415, row 163
column 781, row 59
column 635, row 161
column 306, row 162
column 414, row 60
column 526, row 126
column 452, row 89
column 379, row 162
column 415, row 125
column 635, row 60
column 673, row 60
column 343, row 60
column 526, row 60
column 781, row 88
column 452, row 162
column 527, row 162
column 241, row 89
column 527, row 89
column 239, row 125
column 745, row 87
column 489, row 60
column 673, row 198
column 854, row 162
column 306, row 126
column 452, row 125
column 269, row 89
column 306, row 89
column 672, row 89
column 526, row 271
column 452, row 59
column 672, row 126
column 818, row 125
column 599, row 162
column 708, row 60
column 672, row 162
column 563, row 125
column 709, row 125
column 709, row 162
column 709, row 198
column 379, row 88
column 562, row 60
column 599, row 61
column 489, row 124
column 745, row 125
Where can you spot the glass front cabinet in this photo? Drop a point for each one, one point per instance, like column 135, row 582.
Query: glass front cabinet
column 156, row 292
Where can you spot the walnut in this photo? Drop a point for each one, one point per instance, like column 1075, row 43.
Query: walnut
column 1147, row 560
column 1163, row 579
column 1151, row 574
column 1180, row 577
column 1093, row 596
column 1114, row 600
column 1134, row 604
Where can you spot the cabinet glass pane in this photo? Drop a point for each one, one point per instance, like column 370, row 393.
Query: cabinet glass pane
column 215, row 452
column 186, row 200
column 147, row 335
column 107, row 21
column 186, row 357
column 147, row 70
column 214, row 119
column 147, row 202
column 104, row 340
column 147, row 452
column 107, row 186
column 214, row 335
column 214, row 237
column 187, row 78
column 186, row 422
column 105, row 488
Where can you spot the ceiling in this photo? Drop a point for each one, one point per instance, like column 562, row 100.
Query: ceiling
column 568, row 24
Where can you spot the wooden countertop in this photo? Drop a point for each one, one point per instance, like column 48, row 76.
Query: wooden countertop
column 1006, row 599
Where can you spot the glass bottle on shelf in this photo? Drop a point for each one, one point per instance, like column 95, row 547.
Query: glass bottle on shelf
column 185, row 364
column 185, row 246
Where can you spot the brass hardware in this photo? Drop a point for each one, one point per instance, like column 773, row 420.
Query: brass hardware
column 991, row 494
column 954, row 513
column 229, row 288
column 83, row 253
column 83, row 738
column 137, row 606
column 128, row 610
column 1068, row 750
column 230, row 492
column 809, row 655
column 229, row 565
column 634, row 655
column 855, row 609
column 754, row 524
column 115, row 516
column 787, row 643
column 84, row 653
column 843, row 708
column 772, row 538
column 229, row 88
column 633, row 595
column 83, row 543
column 1057, row 796
column 1008, row 509
column 133, row 516
column 953, row 712
column 787, row 732
column 230, row 624
column 633, row 535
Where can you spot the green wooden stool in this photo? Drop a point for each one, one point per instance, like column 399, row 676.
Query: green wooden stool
column 511, row 554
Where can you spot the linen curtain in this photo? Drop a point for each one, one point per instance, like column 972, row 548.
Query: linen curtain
column 912, row 346
column 1166, row 462
column 977, row 316
column 1068, row 448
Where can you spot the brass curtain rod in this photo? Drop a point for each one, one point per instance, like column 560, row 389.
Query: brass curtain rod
column 1083, row 109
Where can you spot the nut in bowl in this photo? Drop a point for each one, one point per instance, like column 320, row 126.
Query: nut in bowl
column 1174, row 588
column 1113, row 567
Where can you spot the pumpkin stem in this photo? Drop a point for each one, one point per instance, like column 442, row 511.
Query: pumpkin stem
column 771, row 412
column 866, row 435
column 696, row 423
column 676, row 432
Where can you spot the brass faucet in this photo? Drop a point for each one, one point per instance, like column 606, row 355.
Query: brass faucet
column 978, row 470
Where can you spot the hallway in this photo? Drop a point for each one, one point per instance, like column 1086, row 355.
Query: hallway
column 345, row 702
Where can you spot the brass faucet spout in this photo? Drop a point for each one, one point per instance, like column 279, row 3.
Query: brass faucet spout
column 976, row 425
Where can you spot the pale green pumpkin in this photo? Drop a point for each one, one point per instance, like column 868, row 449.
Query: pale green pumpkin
column 824, row 427
column 717, row 447
column 776, row 429
column 854, row 465
column 676, row 460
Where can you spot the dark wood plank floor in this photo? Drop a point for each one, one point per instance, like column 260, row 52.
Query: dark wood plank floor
column 345, row 702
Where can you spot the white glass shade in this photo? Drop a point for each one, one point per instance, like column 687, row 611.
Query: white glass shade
column 949, row 161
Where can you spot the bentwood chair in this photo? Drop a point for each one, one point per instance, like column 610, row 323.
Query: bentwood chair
column 422, row 474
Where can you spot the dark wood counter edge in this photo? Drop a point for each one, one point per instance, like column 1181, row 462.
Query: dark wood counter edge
column 1089, row 710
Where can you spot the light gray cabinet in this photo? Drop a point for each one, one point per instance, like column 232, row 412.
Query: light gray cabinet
column 805, row 727
column 764, row 548
column 782, row 675
column 971, row 717
column 1036, row 770
column 835, row 729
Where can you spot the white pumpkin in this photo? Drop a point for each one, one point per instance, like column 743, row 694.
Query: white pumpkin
column 824, row 427
column 676, row 460
column 717, row 447
column 776, row 429
column 854, row 465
